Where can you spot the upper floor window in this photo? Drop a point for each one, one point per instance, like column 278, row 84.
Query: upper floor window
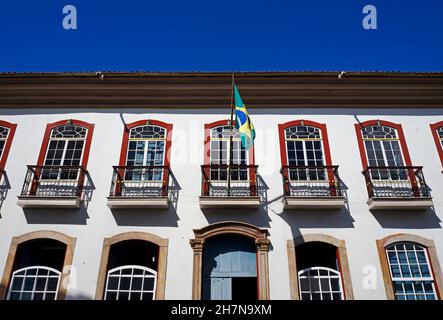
column 66, row 143
column 146, row 147
column 411, row 273
column 221, row 150
column 7, row 131
column 304, row 147
column 306, row 160
column 382, row 146
column 65, row 149
column 437, row 133
column 145, row 150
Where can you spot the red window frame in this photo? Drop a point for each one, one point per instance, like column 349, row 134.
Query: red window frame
column 207, row 149
column 434, row 128
column 47, row 135
column 7, row 148
column 324, row 134
column 129, row 126
column 125, row 141
column 401, row 137
column 325, row 142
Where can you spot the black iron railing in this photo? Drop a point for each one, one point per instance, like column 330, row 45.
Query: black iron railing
column 54, row 181
column 140, row 181
column 396, row 182
column 222, row 180
column 311, row 181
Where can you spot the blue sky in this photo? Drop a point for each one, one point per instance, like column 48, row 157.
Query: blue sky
column 214, row 35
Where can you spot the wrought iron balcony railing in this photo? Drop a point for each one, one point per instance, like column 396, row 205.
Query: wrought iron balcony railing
column 140, row 181
column 396, row 182
column 236, row 180
column 54, row 181
column 311, row 181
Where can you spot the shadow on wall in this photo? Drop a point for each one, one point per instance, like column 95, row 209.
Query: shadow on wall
column 426, row 219
column 319, row 218
column 146, row 217
column 257, row 217
column 4, row 187
column 56, row 216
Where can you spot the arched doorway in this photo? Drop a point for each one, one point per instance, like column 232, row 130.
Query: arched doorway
column 230, row 262
column 36, row 266
column 133, row 267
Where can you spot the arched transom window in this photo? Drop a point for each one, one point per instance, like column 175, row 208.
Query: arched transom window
column 131, row 282
column 320, row 283
column 34, row 283
column 146, row 147
column 304, row 148
column 411, row 272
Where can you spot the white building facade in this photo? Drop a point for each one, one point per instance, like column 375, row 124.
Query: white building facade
column 122, row 187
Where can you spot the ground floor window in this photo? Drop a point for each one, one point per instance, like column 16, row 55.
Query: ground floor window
column 410, row 272
column 319, row 276
column 132, row 271
column 37, row 270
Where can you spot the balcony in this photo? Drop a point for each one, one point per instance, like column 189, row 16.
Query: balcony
column 233, row 186
column 53, row 187
column 397, row 188
column 312, row 187
column 139, row 187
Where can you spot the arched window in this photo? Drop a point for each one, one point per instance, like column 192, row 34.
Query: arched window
column 319, row 276
column 382, row 146
column 410, row 271
column 37, row 270
column 306, row 160
column 146, row 147
column 7, row 131
column 320, row 283
column 131, row 282
column 34, row 283
column 222, row 157
column 65, row 148
column 437, row 133
column 143, row 169
column 304, row 147
column 219, row 154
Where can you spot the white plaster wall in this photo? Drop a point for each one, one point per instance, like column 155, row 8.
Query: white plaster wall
column 358, row 227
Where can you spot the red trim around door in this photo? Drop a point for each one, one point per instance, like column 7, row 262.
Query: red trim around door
column 46, row 138
column 434, row 128
column 401, row 136
column 129, row 126
column 4, row 156
column 324, row 134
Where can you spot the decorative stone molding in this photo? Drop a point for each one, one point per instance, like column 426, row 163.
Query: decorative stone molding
column 403, row 237
column 259, row 235
column 45, row 234
column 162, row 260
column 341, row 256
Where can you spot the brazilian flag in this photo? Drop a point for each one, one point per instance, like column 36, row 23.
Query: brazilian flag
column 243, row 122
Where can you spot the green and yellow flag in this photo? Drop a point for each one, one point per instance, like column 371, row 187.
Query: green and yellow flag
column 243, row 122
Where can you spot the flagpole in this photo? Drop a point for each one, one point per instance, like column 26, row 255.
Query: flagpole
column 230, row 135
